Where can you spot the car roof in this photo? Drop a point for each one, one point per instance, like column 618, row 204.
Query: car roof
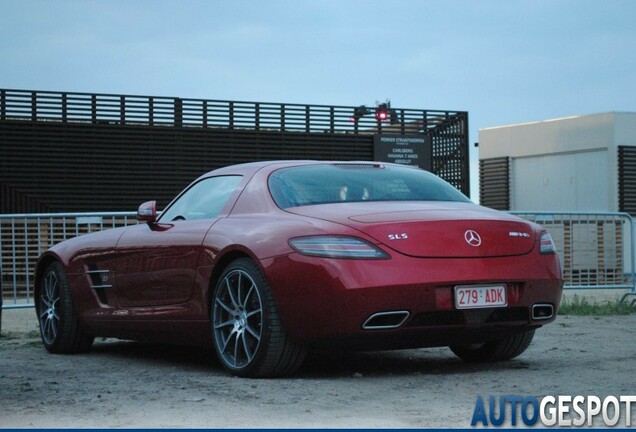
column 252, row 167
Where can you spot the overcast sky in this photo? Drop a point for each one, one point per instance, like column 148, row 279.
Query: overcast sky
column 503, row 61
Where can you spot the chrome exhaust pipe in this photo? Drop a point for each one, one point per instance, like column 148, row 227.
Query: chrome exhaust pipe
column 542, row 311
column 386, row 320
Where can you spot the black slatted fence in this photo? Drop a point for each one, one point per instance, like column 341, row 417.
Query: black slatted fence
column 494, row 183
column 627, row 179
column 68, row 152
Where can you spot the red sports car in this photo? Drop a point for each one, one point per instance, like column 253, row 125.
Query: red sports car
column 266, row 260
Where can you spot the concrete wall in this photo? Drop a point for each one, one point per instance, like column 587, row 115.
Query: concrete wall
column 563, row 135
column 567, row 164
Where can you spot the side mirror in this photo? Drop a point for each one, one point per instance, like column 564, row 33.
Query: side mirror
column 147, row 212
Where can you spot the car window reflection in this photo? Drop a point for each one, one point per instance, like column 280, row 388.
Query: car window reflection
column 204, row 200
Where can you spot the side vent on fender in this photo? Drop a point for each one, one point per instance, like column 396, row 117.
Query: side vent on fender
column 100, row 282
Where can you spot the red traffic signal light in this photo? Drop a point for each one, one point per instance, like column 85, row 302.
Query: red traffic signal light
column 382, row 112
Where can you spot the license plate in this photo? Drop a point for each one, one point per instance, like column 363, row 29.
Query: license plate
column 480, row 296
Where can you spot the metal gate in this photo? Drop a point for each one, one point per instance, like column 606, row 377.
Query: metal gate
column 23, row 237
column 596, row 250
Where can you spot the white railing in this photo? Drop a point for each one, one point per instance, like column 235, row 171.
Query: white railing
column 596, row 249
column 23, row 237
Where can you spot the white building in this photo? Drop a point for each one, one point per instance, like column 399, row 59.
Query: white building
column 574, row 164
column 583, row 163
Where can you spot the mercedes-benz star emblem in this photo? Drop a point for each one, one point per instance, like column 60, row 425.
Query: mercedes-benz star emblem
column 472, row 238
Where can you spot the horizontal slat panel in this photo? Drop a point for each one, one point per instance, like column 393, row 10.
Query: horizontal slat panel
column 87, row 152
column 627, row 179
column 494, row 183
column 123, row 109
column 63, row 167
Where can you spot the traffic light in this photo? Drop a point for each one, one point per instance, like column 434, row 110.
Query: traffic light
column 393, row 116
column 358, row 113
column 382, row 112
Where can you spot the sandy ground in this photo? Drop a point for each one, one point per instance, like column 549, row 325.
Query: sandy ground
column 126, row 384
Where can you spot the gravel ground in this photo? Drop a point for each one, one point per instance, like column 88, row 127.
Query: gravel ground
column 126, row 384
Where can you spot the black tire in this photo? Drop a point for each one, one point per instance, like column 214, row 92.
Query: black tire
column 504, row 349
column 249, row 337
column 60, row 328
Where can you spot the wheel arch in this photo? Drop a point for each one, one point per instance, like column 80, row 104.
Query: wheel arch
column 43, row 263
column 222, row 261
column 275, row 353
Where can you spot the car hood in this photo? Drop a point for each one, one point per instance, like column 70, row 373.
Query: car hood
column 432, row 229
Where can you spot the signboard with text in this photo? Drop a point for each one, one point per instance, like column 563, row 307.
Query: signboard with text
column 403, row 149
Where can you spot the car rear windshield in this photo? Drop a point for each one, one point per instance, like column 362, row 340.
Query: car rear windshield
column 332, row 183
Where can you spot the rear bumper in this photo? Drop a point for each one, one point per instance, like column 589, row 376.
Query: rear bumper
column 410, row 299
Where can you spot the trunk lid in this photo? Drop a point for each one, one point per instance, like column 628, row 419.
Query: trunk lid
column 432, row 229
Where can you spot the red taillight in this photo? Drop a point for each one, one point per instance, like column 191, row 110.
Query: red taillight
column 337, row 247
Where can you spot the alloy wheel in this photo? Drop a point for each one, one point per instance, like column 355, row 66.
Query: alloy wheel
column 237, row 319
column 49, row 307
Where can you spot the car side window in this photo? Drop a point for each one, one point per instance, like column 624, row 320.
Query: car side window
column 203, row 200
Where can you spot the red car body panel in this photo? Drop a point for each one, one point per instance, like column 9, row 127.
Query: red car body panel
column 161, row 275
column 432, row 231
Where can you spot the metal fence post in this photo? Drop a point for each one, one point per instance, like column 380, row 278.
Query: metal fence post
column 178, row 112
column 3, row 105
column 1, row 295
